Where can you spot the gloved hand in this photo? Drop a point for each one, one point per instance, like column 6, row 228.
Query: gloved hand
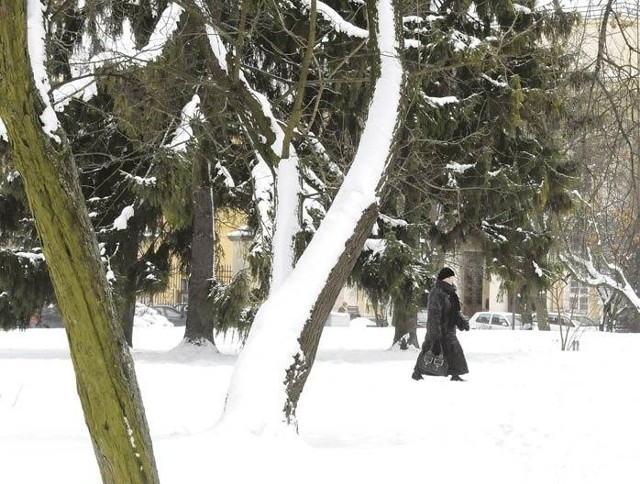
column 463, row 323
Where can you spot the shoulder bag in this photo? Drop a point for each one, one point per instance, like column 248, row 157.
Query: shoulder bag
column 432, row 364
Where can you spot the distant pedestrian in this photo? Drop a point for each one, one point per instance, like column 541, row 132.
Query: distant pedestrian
column 34, row 320
column 443, row 317
column 344, row 308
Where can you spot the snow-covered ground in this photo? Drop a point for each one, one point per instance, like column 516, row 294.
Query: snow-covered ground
column 528, row 413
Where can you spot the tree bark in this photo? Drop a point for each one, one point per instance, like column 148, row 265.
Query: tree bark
column 298, row 372
column 127, row 308
column 126, row 286
column 104, row 369
column 405, row 320
column 540, row 303
column 200, row 321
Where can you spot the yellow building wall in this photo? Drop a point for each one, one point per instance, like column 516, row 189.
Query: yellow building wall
column 226, row 221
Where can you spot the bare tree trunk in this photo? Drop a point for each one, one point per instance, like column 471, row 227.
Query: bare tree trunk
column 126, row 288
column 127, row 312
column 405, row 320
column 540, row 303
column 200, row 321
column 104, row 369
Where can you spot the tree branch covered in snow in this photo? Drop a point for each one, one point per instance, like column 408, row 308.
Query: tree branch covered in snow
column 120, row 51
column 336, row 20
column 586, row 272
column 37, row 56
column 269, row 380
column 289, row 187
column 184, row 132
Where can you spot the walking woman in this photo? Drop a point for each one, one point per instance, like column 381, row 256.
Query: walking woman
column 443, row 317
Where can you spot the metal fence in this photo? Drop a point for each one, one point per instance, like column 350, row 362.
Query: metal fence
column 177, row 290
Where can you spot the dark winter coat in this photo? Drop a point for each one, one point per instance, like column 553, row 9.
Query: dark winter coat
column 443, row 317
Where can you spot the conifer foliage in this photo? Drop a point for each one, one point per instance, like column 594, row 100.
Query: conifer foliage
column 481, row 160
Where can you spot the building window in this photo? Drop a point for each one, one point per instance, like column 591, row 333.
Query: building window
column 578, row 297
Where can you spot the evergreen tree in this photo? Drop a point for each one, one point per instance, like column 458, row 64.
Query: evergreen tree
column 131, row 149
column 25, row 285
column 481, row 159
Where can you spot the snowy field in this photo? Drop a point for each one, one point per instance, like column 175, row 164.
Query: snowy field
column 528, row 413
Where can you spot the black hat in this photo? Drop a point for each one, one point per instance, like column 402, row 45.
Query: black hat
column 445, row 273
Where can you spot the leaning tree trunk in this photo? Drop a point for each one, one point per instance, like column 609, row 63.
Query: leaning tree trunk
column 280, row 350
column 298, row 372
column 105, row 376
column 199, row 326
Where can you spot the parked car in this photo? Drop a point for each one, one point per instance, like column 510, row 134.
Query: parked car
column 176, row 316
column 586, row 321
column 564, row 321
column 496, row 320
column 50, row 317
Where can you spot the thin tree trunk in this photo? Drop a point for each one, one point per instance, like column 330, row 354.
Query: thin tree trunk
column 127, row 312
column 126, row 288
column 104, row 369
column 288, row 199
column 287, row 220
column 200, row 321
column 540, row 303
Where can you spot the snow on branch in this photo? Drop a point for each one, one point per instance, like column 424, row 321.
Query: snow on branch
column 586, row 272
column 120, row 51
column 37, row 55
column 462, row 41
column 32, row 257
column 217, row 47
column 120, row 223
column 288, row 175
column 226, row 175
column 184, row 132
column 261, row 173
column 139, row 180
column 263, row 195
column 377, row 247
column 336, row 20
column 392, row 221
column 522, row 9
column 3, row 131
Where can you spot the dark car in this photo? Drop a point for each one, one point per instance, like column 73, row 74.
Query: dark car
column 50, row 317
column 559, row 321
